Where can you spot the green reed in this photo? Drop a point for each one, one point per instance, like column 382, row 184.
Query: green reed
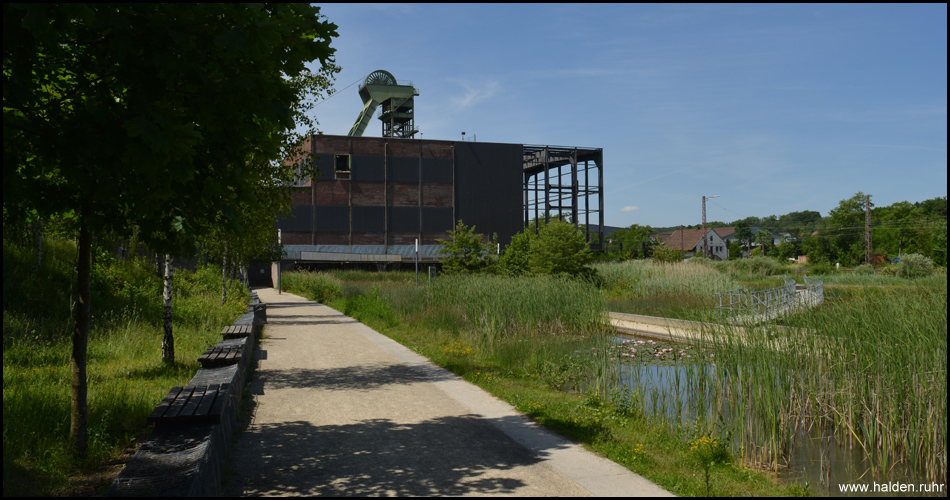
column 869, row 366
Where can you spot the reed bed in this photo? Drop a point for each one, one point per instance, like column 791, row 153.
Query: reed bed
column 498, row 307
column 645, row 278
column 867, row 370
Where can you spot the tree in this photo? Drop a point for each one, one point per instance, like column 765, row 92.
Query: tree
column 744, row 235
column 464, row 252
column 665, row 254
column 846, row 227
column 159, row 117
column 735, row 250
column 635, row 241
column 516, row 259
column 764, row 238
column 560, row 248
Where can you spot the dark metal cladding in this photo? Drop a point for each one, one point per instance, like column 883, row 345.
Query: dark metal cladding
column 488, row 188
column 367, row 168
column 436, row 219
column 368, row 219
column 380, row 195
column 404, row 219
column 299, row 220
column 332, row 219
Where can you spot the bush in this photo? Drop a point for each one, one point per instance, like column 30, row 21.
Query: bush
column 822, row 268
column 560, row 248
column 864, row 269
column 665, row 254
column 758, row 265
column 915, row 266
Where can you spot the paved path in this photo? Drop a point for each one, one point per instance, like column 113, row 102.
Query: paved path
column 340, row 409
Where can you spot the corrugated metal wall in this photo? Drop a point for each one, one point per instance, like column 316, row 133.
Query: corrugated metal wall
column 488, row 188
column 399, row 190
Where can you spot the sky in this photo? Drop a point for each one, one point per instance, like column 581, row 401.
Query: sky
column 772, row 108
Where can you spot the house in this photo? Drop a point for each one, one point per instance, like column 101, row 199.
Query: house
column 690, row 242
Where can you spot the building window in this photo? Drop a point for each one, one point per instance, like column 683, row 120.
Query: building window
column 341, row 167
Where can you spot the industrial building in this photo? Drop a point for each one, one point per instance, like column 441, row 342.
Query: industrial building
column 375, row 197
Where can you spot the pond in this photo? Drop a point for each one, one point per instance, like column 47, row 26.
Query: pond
column 679, row 384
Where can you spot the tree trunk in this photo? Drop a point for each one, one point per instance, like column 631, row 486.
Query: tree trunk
column 224, row 275
column 168, row 341
column 78, row 425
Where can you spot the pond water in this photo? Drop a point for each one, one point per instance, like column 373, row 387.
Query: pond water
column 673, row 382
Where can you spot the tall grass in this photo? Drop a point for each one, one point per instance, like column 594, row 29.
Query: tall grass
column 317, row 286
column 543, row 344
column 867, row 370
column 126, row 375
column 682, row 290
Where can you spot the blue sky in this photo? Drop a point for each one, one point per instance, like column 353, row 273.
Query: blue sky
column 775, row 108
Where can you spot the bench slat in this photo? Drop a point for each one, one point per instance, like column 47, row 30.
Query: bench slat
column 179, row 402
column 192, row 404
column 166, row 403
column 213, row 392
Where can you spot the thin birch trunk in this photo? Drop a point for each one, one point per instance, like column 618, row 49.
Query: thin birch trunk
column 78, row 422
column 224, row 275
column 168, row 341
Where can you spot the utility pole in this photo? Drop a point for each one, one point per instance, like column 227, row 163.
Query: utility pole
column 867, row 229
column 704, row 222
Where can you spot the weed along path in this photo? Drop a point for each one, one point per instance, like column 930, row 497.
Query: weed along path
column 339, row 409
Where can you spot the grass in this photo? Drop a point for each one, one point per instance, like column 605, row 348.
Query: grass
column 126, row 377
column 542, row 344
column 870, row 371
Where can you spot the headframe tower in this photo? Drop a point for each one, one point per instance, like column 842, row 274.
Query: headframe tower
column 381, row 89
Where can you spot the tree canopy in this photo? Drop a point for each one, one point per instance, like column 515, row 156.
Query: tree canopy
column 162, row 118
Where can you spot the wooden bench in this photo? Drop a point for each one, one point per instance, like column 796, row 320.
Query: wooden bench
column 221, row 355
column 237, row 331
column 192, row 404
column 260, row 313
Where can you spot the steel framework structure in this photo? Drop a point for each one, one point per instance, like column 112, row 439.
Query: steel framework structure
column 558, row 182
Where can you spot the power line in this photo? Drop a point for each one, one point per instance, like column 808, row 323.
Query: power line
column 335, row 92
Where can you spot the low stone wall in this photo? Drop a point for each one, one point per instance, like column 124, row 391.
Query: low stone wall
column 182, row 459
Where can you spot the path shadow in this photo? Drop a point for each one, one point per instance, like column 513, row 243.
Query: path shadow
column 351, row 378
column 305, row 319
column 446, row 456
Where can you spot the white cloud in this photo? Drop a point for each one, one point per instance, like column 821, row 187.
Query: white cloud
column 476, row 94
column 629, row 209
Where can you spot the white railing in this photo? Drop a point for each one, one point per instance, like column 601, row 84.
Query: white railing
column 757, row 305
column 813, row 294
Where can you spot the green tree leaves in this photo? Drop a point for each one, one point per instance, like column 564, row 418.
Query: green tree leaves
column 464, row 252
column 559, row 248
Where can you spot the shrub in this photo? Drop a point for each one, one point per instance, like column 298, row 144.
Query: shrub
column 889, row 270
column 822, row 268
column 464, row 252
column 514, row 262
column 864, row 269
column 665, row 254
column 560, row 248
column 915, row 266
column 757, row 265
